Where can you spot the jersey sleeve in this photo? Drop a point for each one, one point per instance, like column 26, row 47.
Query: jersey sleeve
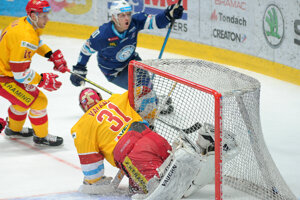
column 89, row 47
column 147, row 21
column 91, row 160
column 43, row 49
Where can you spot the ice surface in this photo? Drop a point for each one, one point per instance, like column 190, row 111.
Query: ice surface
column 30, row 172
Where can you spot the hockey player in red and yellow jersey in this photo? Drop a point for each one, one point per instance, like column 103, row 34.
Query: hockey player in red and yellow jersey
column 113, row 130
column 18, row 44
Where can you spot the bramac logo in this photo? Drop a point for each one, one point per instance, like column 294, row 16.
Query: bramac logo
column 273, row 26
column 228, row 19
column 232, row 3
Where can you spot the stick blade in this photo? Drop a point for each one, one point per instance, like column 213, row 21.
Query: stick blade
column 193, row 128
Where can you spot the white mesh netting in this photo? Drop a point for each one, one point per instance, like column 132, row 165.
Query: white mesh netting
column 251, row 174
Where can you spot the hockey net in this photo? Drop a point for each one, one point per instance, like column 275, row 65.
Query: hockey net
column 210, row 93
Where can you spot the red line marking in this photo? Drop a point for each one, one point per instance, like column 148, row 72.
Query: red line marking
column 45, row 153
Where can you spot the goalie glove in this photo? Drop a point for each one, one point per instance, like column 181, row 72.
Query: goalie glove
column 206, row 138
column 206, row 141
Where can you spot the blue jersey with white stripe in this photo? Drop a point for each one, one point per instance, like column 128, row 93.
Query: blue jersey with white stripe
column 116, row 50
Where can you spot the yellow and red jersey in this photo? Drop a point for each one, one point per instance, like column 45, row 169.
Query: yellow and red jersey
column 98, row 131
column 18, row 44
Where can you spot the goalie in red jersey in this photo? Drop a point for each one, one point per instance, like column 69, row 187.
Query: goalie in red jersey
column 112, row 130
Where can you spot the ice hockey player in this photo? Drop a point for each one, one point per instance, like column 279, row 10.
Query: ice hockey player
column 19, row 83
column 112, row 130
column 116, row 41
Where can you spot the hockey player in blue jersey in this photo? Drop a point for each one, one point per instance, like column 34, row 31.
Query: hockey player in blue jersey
column 116, row 41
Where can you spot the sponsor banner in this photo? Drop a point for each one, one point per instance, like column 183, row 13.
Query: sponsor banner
column 14, row 8
column 268, row 29
column 277, row 32
column 86, row 12
column 237, row 4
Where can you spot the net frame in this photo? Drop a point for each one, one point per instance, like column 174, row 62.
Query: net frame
column 218, row 101
column 238, row 89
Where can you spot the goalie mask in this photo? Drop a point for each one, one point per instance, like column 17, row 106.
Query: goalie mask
column 88, row 97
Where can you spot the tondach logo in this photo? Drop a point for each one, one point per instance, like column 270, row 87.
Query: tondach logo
column 228, row 19
column 273, row 26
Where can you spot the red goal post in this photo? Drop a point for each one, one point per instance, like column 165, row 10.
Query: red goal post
column 206, row 92
column 217, row 97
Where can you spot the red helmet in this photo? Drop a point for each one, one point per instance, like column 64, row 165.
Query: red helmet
column 37, row 6
column 88, row 97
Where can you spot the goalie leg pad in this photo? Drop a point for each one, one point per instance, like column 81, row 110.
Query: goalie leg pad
column 205, row 176
column 183, row 168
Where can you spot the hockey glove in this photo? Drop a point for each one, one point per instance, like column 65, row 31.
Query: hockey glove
column 59, row 61
column 2, row 124
column 82, row 71
column 174, row 11
column 49, row 82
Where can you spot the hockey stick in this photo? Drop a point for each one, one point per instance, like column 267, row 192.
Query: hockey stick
column 117, row 179
column 185, row 132
column 188, row 130
column 91, row 82
column 168, row 34
column 160, row 55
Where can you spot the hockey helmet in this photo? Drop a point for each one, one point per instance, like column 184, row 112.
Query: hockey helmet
column 119, row 6
column 88, row 97
column 38, row 6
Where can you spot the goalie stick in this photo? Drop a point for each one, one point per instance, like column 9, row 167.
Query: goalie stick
column 185, row 132
column 188, row 130
column 117, row 179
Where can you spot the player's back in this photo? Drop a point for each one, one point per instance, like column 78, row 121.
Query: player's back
column 103, row 125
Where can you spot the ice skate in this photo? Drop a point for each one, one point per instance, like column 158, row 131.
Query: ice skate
column 25, row 132
column 49, row 140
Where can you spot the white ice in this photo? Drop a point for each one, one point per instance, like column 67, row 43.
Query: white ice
column 30, row 172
